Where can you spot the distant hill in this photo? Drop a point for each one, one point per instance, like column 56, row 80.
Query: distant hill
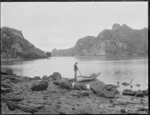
column 118, row 41
column 14, row 45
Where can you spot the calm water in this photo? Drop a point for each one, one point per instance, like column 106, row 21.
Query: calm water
column 112, row 69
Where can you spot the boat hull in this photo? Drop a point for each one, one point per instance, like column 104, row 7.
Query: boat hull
column 87, row 78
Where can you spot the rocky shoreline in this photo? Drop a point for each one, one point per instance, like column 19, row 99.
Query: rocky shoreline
column 56, row 95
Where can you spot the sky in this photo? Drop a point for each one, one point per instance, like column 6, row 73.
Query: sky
column 50, row 25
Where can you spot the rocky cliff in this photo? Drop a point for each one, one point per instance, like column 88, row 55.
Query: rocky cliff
column 14, row 45
column 118, row 41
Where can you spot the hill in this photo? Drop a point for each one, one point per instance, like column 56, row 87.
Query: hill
column 118, row 41
column 14, row 45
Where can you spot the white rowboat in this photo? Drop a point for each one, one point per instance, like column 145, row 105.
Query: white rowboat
column 88, row 77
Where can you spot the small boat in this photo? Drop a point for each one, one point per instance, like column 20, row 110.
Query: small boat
column 127, row 84
column 138, row 85
column 88, row 77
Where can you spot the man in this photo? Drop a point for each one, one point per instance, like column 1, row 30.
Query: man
column 75, row 70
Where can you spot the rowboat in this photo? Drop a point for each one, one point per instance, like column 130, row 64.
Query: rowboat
column 88, row 77
column 138, row 85
column 126, row 84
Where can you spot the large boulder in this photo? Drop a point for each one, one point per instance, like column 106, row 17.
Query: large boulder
column 39, row 85
column 71, row 79
column 63, row 84
column 139, row 93
column 10, row 78
column 15, row 79
column 9, row 72
column 128, row 92
column 5, row 90
column 79, row 86
column 109, row 94
column 49, row 78
column 84, row 93
column 25, row 78
column 80, row 93
column 56, row 76
column 3, row 71
column 109, row 87
column 45, row 78
column 115, row 90
column 31, row 108
column 37, row 78
column 12, row 97
column 145, row 92
column 58, row 82
column 6, row 71
column 97, row 87
column 5, row 85
column 11, row 105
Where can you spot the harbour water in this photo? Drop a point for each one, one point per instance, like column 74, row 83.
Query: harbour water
column 113, row 69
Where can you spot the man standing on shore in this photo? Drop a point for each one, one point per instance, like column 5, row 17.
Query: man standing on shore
column 75, row 70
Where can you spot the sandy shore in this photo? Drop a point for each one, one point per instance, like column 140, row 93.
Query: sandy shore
column 58, row 100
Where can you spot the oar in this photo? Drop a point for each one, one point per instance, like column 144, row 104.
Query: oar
column 131, row 81
column 79, row 72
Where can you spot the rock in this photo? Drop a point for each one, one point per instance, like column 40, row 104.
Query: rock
column 80, row 93
column 25, row 78
column 56, row 76
column 67, row 85
column 37, row 78
column 84, row 93
column 73, row 108
column 3, row 71
column 142, row 109
column 15, row 79
column 5, row 90
column 62, row 113
column 17, row 99
column 97, row 87
column 112, row 90
column 10, row 78
column 9, row 72
column 122, row 111
column 128, row 92
column 11, row 105
column 109, row 94
column 12, row 97
column 39, row 85
column 5, row 85
column 63, row 84
column 45, row 78
column 109, row 87
column 57, row 82
column 31, row 108
column 71, row 80
column 139, row 93
column 115, row 90
column 79, row 86
column 6, row 71
column 111, row 101
column 145, row 92
column 50, row 78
